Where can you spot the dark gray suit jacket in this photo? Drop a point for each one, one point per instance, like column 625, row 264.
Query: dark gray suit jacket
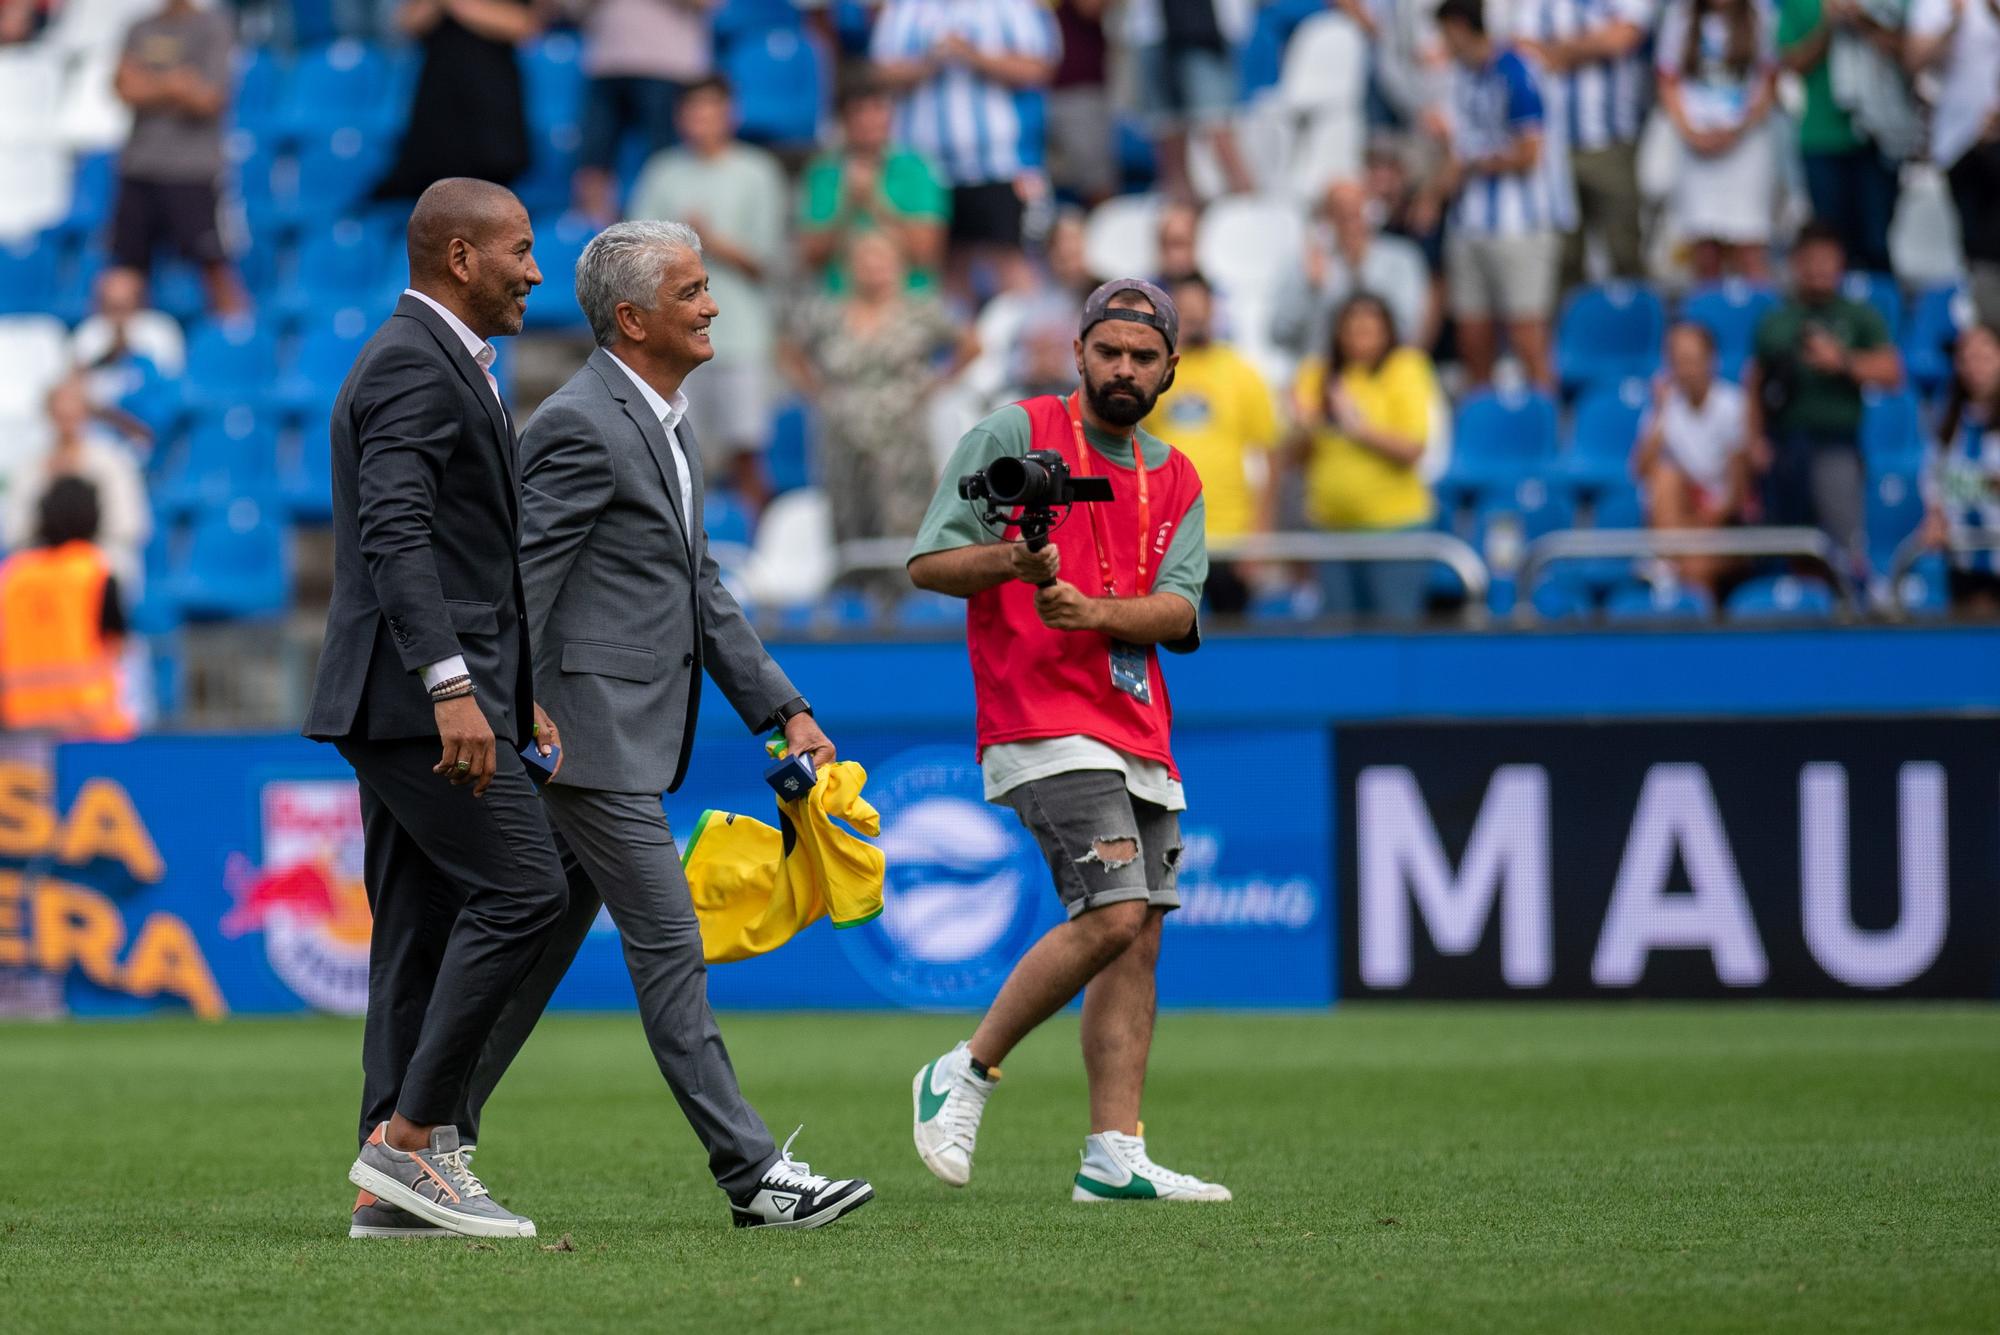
column 623, row 616
column 426, row 525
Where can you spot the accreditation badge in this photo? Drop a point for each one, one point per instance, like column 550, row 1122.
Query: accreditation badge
column 1128, row 671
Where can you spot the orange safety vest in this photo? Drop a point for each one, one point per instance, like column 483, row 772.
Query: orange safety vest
column 57, row 671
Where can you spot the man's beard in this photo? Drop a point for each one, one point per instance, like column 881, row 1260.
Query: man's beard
column 1115, row 410
column 499, row 312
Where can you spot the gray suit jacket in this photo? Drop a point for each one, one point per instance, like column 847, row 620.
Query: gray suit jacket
column 622, row 616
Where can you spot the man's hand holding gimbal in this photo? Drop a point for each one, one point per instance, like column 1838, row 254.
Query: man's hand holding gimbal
column 1035, row 567
column 1062, row 606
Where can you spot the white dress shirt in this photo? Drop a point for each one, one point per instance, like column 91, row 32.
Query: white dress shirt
column 482, row 352
column 670, row 412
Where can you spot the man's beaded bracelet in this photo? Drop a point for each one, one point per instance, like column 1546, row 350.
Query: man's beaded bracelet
column 451, row 688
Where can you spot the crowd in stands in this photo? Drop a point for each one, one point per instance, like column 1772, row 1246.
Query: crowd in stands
column 1426, row 253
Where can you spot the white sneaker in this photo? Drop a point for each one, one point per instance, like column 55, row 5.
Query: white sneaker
column 792, row 1195
column 949, row 1099
column 1115, row 1168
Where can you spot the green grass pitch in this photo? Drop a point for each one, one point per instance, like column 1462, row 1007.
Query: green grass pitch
column 1424, row 1169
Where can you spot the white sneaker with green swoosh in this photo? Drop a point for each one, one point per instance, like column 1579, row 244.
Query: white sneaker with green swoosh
column 1116, row 1168
column 949, row 1099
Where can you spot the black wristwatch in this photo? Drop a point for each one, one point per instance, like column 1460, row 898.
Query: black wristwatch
column 789, row 710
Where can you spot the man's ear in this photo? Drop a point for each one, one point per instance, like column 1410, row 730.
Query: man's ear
column 627, row 317
column 1173, row 364
column 458, row 259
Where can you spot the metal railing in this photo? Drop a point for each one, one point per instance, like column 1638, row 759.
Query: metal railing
column 1312, row 548
column 1914, row 549
column 1638, row 543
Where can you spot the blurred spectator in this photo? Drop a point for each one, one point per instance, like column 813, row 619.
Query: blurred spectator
column 1082, row 163
column 175, row 75
column 1693, row 457
column 1593, row 56
column 23, row 20
column 1364, row 415
column 467, row 118
column 866, row 182
column 122, row 327
column 1357, row 257
column 960, row 65
column 1502, row 244
column 1962, row 479
column 1718, row 83
column 62, row 625
column 869, row 361
column 1037, row 325
column 83, row 447
column 1174, row 237
column 1850, row 175
column 1218, row 411
column 734, row 195
column 1814, row 354
column 1186, row 86
column 1959, row 40
column 638, row 55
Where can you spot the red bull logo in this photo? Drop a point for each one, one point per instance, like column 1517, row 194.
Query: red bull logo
column 307, row 899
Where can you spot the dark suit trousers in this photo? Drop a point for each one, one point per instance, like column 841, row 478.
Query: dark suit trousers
column 464, row 891
column 618, row 851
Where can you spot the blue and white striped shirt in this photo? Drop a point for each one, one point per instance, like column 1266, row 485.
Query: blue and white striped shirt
column 1604, row 102
column 1961, row 480
column 969, row 125
column 1490, row 109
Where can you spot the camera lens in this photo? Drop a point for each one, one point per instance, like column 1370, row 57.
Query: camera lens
column 1017, row 481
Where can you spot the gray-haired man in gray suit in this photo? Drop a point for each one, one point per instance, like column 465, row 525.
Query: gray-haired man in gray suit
column 625, row 611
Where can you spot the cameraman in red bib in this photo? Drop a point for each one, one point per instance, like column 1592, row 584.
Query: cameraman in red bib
column 1074, row 727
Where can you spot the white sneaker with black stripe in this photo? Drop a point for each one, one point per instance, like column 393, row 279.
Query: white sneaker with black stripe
column 791, row 1195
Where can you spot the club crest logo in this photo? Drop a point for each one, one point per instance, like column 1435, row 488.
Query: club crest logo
column 966, row 891
column 307, row 899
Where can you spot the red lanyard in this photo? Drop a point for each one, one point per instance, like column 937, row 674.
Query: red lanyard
column 1100, row 540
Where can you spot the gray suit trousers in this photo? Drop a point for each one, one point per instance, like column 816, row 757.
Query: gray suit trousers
column 617, row 846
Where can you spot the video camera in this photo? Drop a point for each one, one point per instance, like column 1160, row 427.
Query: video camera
column 1037, row 484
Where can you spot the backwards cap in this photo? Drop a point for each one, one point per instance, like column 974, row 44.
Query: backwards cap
column 1162, row 317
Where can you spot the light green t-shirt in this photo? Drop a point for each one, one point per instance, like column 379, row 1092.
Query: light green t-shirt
column 1824, row 125
column 953, row 521
column 740, row 194
column 910, row 189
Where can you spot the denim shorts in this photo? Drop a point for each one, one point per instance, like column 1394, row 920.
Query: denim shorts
column 1185, row 85
column 1069, row 814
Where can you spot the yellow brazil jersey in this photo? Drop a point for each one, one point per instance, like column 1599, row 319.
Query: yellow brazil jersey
column 755, row 887
column 1348, row 485
column 1218, row 411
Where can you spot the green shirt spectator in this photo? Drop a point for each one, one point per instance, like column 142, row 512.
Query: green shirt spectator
column 1824, row 125
column 867, row 184
column 1818, row 403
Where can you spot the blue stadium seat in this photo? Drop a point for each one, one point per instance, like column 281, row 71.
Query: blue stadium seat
column 1608, row 333
column 789, row 459
column 1603, row 433
column 1895, row 503
column 1638, row 602
column 545, row 187
column 553, row 81
column 780, row 82
column 320, row 361
column 853, row 25
column 1560, row 598
column 1880, row 291
column 930, row 611
column 305, row 483
column 1262, row 55
column 261, row 73
column 344, row 83
column 1891, row 425
column 93, row 186
column 1613, row 507
column 559, row 243
column 1730, row 311
column 230, row 362
column 332, row 265
column 724, row 518
column 1506, row 521
column 337, row 169
column 739, row 21
column 1781, row 598
column 238, row 565
column 1925, row 591
column 226, row 454
column 177, row 289
column 1929, row 335
column 27, row 276
column 1502, row 436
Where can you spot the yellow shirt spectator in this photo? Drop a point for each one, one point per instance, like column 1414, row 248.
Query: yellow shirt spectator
column 1219, row 411
column 1348, row 485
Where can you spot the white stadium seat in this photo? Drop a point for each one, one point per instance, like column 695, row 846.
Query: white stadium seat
column 1248, row 243
column 1325, row 66
column 30, row 87
column 86, row 27
column 792, row 561
column 1924, row 247
column 34, row 188
column 91, row 118
column 1121, row 236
